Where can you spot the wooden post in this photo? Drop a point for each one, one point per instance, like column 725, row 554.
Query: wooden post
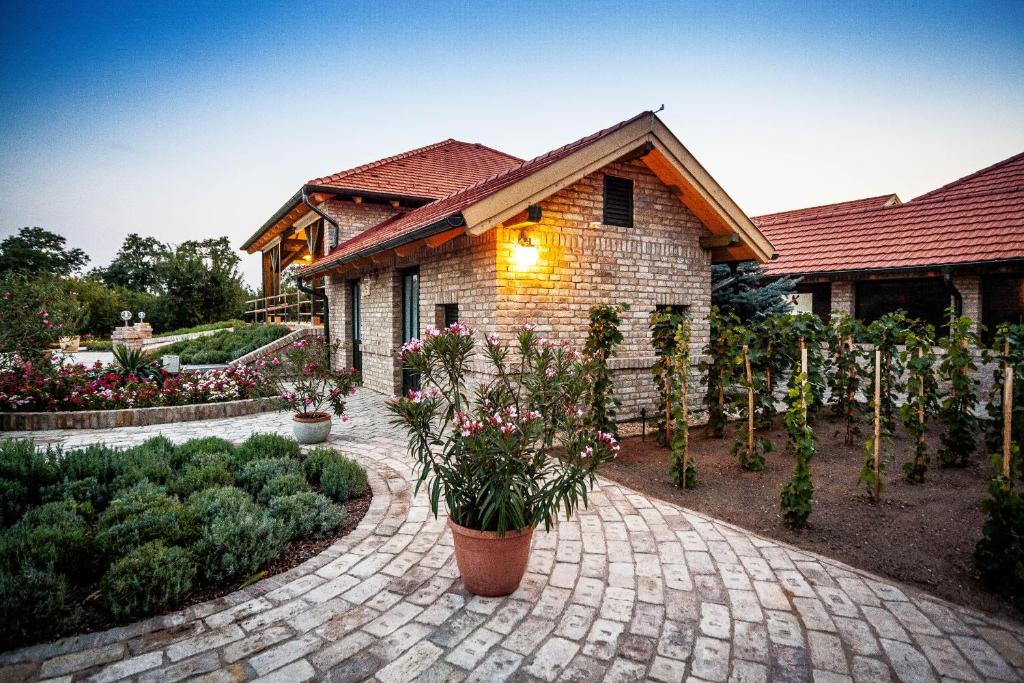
column 878, row 419
column 686, row 419
column 1007, row 415
column 920, row 403
column 803, row 370
column 750, row 401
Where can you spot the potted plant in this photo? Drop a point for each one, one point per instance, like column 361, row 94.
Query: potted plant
column 306, row 381
column 517, row 455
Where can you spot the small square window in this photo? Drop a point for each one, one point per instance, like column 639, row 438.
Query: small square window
column 451, row 314
column 618, row 202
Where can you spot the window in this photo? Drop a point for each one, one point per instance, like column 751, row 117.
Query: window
column 451, row 314
column 618, row 202
column 922, row 298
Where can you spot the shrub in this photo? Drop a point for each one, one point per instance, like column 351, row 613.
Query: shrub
column 259, row 446
column 142, row 463
column 257, row 473
column 603, row 336
column 338, row 476
column 13, row 501
column 208, row 504
column 97, row 465
column 238, row 541
column 21, row 462
column 188, row 451
column 51, row 535
column 227, row 346
column 204, row 471
column 282, row 485
column 33, row 605
column 307, row 514
column 999, row 555
column 142, row 513
column 148, row 580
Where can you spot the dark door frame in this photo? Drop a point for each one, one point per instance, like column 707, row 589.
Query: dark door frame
column 410, row 321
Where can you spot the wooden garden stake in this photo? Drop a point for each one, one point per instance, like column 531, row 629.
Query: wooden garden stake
column 686, row 419
column 1007, row 416
column 750, row 402
column 803, row 369
column 878, row 419
column 920, row 403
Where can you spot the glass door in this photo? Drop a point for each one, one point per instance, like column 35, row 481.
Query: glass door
column 410, row 322
column 357, row 321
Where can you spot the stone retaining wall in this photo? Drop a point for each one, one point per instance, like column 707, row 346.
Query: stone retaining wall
column 133, row 417
column 276, row 345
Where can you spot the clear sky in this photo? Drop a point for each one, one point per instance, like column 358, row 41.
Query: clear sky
column 189, row 119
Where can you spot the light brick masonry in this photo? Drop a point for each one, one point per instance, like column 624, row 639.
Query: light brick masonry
column 630, row 589
column 581, row 262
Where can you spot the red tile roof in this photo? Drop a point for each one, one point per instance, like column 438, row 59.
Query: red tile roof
column 402, row 225
column 975, row 219
column 430, row 172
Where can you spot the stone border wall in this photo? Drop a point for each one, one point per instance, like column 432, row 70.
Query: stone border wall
column 276, row 345
column 134, row 417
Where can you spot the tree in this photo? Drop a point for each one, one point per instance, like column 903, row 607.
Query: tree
column 36, row 252
column 200, row 283
column 747, row 294
column 136, row 265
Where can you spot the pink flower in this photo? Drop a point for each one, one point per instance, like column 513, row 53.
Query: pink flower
column 344, row 418
column 507, row 428
column 528, row 327
column 550, row 373
column 460, row 329
column 587, row 452
column 431, row 332
column 412, row 346
column 415, row 396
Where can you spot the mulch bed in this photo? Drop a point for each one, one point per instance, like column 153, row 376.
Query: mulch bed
column 94, row 618
column 920, row 534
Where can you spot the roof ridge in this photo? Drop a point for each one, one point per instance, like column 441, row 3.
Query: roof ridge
column 970, row 176
column 927, row 199
column 395, row 157
column 537, row 159
column 844, row 212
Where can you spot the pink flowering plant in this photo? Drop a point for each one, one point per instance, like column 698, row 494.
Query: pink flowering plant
column 34, row 315
column 65, row 387
column 306, row 381
column 522, row 449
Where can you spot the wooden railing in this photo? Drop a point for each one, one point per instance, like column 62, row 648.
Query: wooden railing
column 289, row 307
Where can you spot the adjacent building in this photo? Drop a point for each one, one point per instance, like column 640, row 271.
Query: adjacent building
column 460, row 231
column 961, row 244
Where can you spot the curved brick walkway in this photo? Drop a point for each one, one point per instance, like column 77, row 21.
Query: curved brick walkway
column 631, row 589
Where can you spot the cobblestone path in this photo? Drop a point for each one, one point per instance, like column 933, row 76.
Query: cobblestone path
column 632, row 589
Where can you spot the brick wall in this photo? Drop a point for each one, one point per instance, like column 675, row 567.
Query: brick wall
column 842, row 297
column 354, row 218
column 970, row 289
column 581, row 263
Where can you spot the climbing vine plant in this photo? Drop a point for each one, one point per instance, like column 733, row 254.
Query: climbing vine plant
column 811, row 330
column 1007, row 347
column 871, row 474
column 683, row 466
column 847, row 374
column 922, row 402
column 749, row 448
column 798, row 493
column 720, row 368
column 663, row 325
column 602, row 338
column 959, row 440
column 768, row 357
column 887, row 333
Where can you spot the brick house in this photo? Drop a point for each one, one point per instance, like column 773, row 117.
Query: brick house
column 458, row 231
column 960, row 244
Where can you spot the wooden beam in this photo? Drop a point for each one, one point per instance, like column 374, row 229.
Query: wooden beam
column 435, row 241
column 717, row 241
column 381, row 256
column 410, row 248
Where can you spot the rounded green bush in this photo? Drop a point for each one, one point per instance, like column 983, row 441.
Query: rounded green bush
column 282, row 485
column 142, row 513
column 188, row 451
column 342, row 478
column 208, row 504
column 316, row 459
column 236, row 542
column 31, row 468
column 51, row 535
column 307, row 514
column 206, row 470
column 261, row 446
column 144, row 464
column 97, row 464
column 257, row 473
column 87, row 491
column 13, row 501
column 33, row 605
column 148, row 580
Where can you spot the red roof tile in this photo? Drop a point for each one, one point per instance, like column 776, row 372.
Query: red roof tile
column 430, row 172
column 403, row 225
column 975, row 219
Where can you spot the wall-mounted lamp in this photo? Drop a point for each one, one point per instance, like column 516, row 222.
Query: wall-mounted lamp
column 524, row 255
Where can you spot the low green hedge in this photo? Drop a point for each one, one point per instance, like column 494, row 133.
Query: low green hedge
column 224, row 347
column 143, row 527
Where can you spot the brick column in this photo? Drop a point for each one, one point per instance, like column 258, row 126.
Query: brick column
column 843, row 297
column 339, row 301
column 970, row 291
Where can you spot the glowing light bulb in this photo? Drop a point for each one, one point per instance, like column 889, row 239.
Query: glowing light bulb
column 525, row 254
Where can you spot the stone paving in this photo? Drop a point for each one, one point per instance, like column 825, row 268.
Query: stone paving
column 631, row 589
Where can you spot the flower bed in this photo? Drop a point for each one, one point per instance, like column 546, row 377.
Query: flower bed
column 77, row 387
column 98, row 536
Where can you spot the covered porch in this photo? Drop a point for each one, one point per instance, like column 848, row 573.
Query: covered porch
column 281, row 301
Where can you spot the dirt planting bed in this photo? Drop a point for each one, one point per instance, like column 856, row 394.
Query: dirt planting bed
column 920, row 534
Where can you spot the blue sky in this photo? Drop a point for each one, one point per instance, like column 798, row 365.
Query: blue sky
column 188, row 119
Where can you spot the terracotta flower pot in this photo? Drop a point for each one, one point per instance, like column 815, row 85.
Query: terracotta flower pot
column 491, row 565
column 311, row 428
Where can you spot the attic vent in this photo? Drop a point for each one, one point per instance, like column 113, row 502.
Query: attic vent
column 618, row 201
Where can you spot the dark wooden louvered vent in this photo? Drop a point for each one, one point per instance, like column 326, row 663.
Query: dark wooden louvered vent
column 618, row 201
